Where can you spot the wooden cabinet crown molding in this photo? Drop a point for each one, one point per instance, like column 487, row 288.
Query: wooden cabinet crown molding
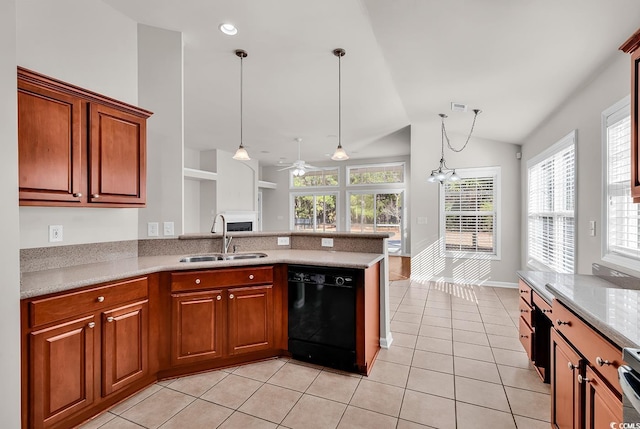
column 39, row 79
column 632, row 43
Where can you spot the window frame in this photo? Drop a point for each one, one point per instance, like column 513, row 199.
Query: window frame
column 569, row 139
column 347, row 178
column 468, row 173
column 620, row 109
column 293, row 188
column 292, row 208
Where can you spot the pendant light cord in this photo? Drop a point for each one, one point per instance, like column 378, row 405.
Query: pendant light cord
column 339, row 101
column 444, row 131
column 241, row 79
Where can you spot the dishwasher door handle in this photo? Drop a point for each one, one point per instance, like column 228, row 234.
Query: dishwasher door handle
column 630, row 384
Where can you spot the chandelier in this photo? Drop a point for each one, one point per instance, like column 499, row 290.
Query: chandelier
column 443, row 173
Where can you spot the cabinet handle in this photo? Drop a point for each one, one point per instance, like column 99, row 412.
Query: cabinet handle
column 524, row 336
column 78, row 194
column 582, row 379
column 571, row 366
column 101, row 299
column 524, row 311
column 218, row 297
column 250, row 276
column 110, row 319
column 231, row 296
column 197, row 281
column 91, row 324
column 601, row 362
column 560, row 323
column 95, row 196
column 546, row 311
column 523, row 291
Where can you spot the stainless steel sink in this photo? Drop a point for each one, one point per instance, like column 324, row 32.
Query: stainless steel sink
column 222, row 257
column 234, row 256
column 203, row 258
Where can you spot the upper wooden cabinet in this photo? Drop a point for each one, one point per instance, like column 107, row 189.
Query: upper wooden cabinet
column 78, row 148
column 631, row 47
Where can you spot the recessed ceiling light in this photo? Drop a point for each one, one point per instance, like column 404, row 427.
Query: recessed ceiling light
column 228, row 29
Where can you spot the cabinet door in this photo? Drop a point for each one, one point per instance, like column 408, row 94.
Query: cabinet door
column 603, row 406
column 250, row 319
column 49, row 145
column 117, row 156
column 61, row 371
column 125, row 342
column 566, row 392
column 197, row 326
column 635, row 123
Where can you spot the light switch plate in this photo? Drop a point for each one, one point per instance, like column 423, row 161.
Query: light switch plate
column 283, row 241
column 168, row 229
column 152, row 229
column 327, row 242
column 55, row 233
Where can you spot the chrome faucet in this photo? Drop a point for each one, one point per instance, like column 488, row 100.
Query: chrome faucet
column 226, row 241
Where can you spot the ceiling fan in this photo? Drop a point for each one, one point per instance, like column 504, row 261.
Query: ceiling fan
column 300, row 167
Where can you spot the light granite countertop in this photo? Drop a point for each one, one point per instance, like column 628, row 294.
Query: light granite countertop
column 43, row 282
column 610, row 309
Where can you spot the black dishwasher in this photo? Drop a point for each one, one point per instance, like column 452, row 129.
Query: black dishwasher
column 322, row 315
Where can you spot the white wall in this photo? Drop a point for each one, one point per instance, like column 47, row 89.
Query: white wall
column 160, row 83
column 237, row 184
column 426, row 263
column 582, row 112
column 88, row 44
column 9, row 251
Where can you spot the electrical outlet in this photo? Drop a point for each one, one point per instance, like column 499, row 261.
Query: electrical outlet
column 55, row 233
column 152, row 229
column 327, row 242
column 168, row 229
column 422, row 220
column 283, row 241
column 592, row 228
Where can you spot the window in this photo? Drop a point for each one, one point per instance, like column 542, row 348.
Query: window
column 469, row 214
column 621, row 238
column 316, row 178
column 314, row 212
column 376, row 174
column 378, row 212
column 551, row 207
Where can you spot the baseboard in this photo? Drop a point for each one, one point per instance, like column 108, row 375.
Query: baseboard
column 476, row 282
column 385, row 343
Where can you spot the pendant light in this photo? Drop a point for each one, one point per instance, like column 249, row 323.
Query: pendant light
column 339, row 154
column 443, row 173
column 241, row 154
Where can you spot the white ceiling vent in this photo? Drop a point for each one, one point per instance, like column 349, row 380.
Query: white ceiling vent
column 458, row 107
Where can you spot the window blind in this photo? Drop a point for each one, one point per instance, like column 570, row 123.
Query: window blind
column 623, row 226
column 469, row 212
column 551, row 206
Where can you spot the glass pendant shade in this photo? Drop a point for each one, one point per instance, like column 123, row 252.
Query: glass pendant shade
column 339, row 154
column 241, row 154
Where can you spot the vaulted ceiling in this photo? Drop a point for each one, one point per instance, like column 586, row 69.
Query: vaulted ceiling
column 406, row 61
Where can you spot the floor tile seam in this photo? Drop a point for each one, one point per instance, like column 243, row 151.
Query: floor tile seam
column 526, row 390
column 533, row 418
column 179, row 411
column 378, row 411
column 246, row 414
column 131, row 421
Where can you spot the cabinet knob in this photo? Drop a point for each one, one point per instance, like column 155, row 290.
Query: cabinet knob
column 582, row 379
column 110, row 319
column 524, row 336
column 250, row 276
column 92, row 324
column 571, row 366
column 524, row 311
column 602, row 362
column 218, row 297
column 231, row 296
column 95, row 196
column 101, row 299
column 560, row 323
column 197, row 281
column 78, row 194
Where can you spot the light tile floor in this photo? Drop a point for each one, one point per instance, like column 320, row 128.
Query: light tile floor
column 456, row 362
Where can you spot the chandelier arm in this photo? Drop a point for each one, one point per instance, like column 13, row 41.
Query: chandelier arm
column 473, row 124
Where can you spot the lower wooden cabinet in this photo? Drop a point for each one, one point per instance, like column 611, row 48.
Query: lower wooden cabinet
column 602, row 406
column 250, row 319
column 75, row 361
column 566, row 392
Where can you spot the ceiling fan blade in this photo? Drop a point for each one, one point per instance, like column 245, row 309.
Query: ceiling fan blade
column 287, row 168
column 311, row 167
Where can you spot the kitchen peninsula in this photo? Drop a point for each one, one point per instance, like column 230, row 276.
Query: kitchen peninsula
column 99, row 330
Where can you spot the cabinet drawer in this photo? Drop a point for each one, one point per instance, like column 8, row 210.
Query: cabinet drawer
column 525, row 292
column 194, row 280
column 601, row 355
column 541, row 304
column 526, row 312
column 47, row 310
column 526, row 337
